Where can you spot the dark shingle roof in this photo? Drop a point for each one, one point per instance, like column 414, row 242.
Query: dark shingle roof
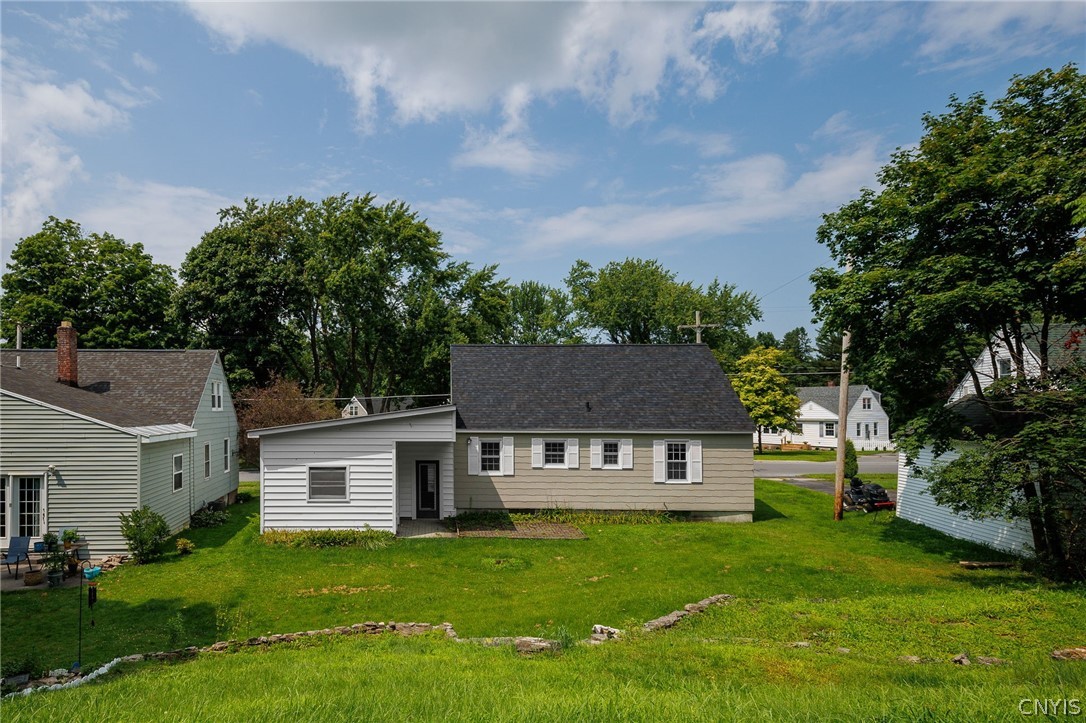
column 31, row 384
column 627, row 387
column 827, row 397
column 154, row 386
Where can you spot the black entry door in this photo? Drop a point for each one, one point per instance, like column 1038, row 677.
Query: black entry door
column 426, row 490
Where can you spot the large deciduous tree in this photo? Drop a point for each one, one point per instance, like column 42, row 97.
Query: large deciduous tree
column 541, row 314
column 346, row 294
column 975, row 240
column 113, row 292
column 638, row 301
column 769, row 398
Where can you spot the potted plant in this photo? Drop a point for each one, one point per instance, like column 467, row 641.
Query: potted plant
column 54, row 562
column 50, row 539
column 69, row 538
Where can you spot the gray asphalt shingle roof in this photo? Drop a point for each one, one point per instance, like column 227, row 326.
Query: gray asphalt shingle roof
column 151, row 386
column 827, row 397
column 626, row 387
column 33, row 385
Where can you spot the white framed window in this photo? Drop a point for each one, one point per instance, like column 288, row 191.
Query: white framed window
column 490, row 456
column 28, row 510
column 216, row 396
column 555, row 453
column 611, row 453
column 875, row 428
column 865, row 403
column 207, row 460
column 226, row 455
column 1003, row 368
column 829, row 429
column 327, row 484
column 178, row 472
column 677, row 461
column 858, row 429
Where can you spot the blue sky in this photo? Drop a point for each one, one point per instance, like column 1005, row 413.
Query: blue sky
column 711, row 137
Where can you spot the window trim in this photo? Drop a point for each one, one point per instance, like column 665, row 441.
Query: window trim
column 686, row 478
column 207, row 460
column 310, row 499
column 865, row 403
column 226, row 454
column 499, row 472
column 824, row 431
column 178, row 474
column 216, row 396
column 999, row 366
column 564, row 464
column 618, row 454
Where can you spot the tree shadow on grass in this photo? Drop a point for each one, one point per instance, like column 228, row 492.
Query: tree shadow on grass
column 241, row 516
column 933, row 542
column 764, row 511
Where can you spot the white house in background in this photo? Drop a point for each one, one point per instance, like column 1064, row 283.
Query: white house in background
column 354, row 408
column 913, row 501
column 868, row 423
column 611, row 427
column 86, row 434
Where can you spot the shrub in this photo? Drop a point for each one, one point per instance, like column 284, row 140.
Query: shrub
column 144, row 530
column 27, row 663
column 601, row 517
column 185, row 546
column 366, row 539
column 209, row 516
column 852, row 467
column 243, row 497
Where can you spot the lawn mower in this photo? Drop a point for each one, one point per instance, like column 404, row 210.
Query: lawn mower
column 866, row 496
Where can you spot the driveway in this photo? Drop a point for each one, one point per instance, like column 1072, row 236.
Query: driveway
column 869, row 464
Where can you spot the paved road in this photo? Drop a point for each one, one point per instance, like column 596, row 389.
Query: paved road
column 871, row 464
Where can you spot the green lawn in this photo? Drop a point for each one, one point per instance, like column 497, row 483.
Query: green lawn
column 881, row 587
column 886, row 479
column 805, row 455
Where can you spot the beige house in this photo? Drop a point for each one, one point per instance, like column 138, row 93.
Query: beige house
column 606, row 427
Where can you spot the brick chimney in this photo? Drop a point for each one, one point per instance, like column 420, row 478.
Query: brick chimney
column 67, row 355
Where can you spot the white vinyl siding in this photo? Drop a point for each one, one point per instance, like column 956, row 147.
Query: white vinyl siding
column 407, row 454
column 162, row 465
column 915, row 504
column 726, row 468
column 369, row 449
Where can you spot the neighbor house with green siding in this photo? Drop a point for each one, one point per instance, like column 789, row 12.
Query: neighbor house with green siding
column 605, row 427
column 86, row 434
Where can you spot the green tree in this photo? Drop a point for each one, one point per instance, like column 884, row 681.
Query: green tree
column 542, row 315
column 974, row 241
column 344, row 294
column 638, row 301
column 852, row 465
column 112, row 292
column 766, row 394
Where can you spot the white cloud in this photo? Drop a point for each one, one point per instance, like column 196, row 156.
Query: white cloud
column 511, row 147
column 739, row 196
column 709, row 145
column 144, row 63
column 39, row 114
column 429, row 60
column 168, row 220
column 971, row 34
column 753, row 28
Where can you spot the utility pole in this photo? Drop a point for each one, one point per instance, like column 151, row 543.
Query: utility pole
column 842, row 426
column 697, row 326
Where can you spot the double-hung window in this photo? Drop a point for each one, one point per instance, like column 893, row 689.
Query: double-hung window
column 226, row 455
column 207, row 460
column 610, row 453
column 216, row 396
column 829, row 429
column 1003, row 368
column 676, row 462
column 327, row 484
column 865, row 403
column 178, row 472
column 490, row 455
